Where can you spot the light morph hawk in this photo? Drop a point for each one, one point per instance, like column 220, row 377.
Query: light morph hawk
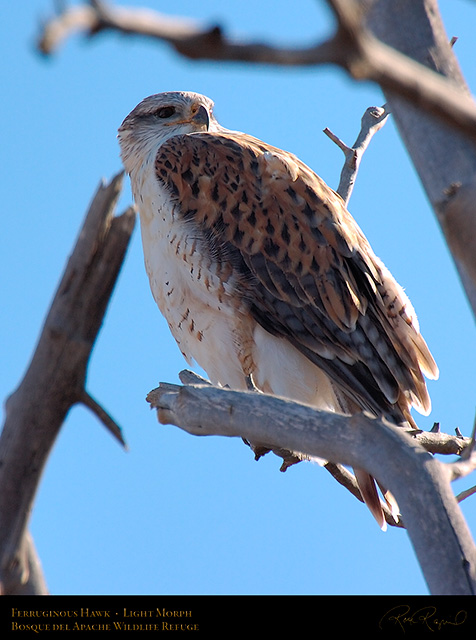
column 262, row 273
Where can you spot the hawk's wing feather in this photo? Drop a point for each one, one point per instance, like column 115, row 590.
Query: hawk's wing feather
column 303, row 264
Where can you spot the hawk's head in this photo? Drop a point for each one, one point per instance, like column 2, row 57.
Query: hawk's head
column 158, row 118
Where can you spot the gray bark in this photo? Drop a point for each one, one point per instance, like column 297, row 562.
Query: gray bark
column 55, row 381
column 444, row 158
column 435, row 524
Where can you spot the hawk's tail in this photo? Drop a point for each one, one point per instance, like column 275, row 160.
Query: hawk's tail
column 370, row 495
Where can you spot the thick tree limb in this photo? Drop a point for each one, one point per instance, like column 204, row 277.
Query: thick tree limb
column 55, row 380
column 444, row 157
column 433, row 441
column 431, row 514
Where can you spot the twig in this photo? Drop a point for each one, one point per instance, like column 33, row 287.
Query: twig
column 467, row 463
column 465, row 494
column 109, row 422
column 190, row 377
column 372, row 121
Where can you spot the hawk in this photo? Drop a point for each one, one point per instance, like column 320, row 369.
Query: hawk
column 262, row 274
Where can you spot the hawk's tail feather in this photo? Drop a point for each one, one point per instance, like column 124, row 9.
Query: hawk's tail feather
column 370, row 495
column 390, row 500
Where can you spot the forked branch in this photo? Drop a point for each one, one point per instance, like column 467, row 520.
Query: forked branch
column 372, row 121
column 55, row 381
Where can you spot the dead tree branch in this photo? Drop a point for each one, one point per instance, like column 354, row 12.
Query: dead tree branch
column 466, row 494
column 372, row 121
column 434, row 441
column 352, row 47
column 55, row 381
column 431, row 514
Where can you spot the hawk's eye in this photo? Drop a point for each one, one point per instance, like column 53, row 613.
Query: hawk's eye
column 165, row 112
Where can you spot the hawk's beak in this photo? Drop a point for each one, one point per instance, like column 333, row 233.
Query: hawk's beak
column 201, row 117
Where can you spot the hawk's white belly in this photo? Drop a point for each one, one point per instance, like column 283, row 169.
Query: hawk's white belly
column 198, row 306
column 207, row 319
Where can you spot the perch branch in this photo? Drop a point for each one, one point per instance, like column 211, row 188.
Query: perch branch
column 434, row 442
column 442, row 443
column 380, row 448
column 55, row 380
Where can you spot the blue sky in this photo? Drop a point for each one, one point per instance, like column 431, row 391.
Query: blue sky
column 178, row 514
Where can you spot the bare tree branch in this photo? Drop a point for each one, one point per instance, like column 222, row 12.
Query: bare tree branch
column 466, row 494
column 467, row 463
column 28, row 567
column 352, row 47
column 431, row 514
column 187, row 37
column 434, row 442
column 372, row 121
column 55, row 380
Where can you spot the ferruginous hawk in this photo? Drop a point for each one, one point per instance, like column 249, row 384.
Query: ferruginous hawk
column 262, row 273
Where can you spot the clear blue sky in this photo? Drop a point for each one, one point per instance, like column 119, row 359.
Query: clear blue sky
column 178, row 514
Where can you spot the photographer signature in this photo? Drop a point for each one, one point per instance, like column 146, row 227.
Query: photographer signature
column 402, row 616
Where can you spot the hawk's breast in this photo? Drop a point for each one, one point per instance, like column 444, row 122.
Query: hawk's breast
column 197, row 295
